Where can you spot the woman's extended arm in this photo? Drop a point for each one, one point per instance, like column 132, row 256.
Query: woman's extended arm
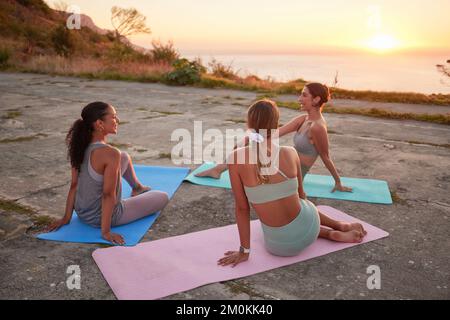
column 320, row 138
column 242, row 211
column 110, row 179
column 292, row 125
column 70, row 202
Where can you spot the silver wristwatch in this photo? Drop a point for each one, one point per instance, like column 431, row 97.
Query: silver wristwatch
column 244, row 250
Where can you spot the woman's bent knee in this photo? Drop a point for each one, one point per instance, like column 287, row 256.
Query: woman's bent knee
column 124, row 156
column 164, row 197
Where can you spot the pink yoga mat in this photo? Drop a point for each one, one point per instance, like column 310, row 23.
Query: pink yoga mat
column 159, row 268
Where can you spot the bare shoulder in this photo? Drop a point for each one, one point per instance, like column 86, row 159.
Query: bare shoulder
column 109, row 153
column 288, row 152
column 319, row 128
column 299, row 119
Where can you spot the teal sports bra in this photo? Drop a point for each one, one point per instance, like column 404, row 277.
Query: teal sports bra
column 272, row 191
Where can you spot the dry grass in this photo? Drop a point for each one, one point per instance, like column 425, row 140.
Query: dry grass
column 378, row 113
column 95, row 68
column 168, row 113
column 165, row 155
column 23, row 139
column 120, row 145
column 12, row 114
column 13, row 206
column 60, row 65
column 102, row 68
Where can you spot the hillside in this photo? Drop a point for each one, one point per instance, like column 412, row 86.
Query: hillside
column 30, row 27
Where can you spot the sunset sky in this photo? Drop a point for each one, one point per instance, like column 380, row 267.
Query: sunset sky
column 287, row 26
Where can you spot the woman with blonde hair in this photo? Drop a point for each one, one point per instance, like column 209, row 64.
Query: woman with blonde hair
column 290, row 223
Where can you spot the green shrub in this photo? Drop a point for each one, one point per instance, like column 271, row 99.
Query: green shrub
column 38, row 4
column 4, row 57
column 62, row 40
column 120, row 52
column 164, row 52
column 185, row 72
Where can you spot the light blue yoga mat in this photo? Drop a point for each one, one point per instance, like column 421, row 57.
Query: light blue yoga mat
column 364, row 190
column 166, row 179
column 223, row 182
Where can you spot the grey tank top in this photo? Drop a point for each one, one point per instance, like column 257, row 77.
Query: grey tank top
column 302, row 143
column 88, row 200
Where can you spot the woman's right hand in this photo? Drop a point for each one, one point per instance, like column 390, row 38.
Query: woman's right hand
column 339, row 187
column 113, row 238
column 56, row 225
column 302, row 195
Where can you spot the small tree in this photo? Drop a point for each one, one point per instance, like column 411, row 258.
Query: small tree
column 127, row 22
column 336, row 79
column 60, row 5
column 164, row 52
column 444, row 69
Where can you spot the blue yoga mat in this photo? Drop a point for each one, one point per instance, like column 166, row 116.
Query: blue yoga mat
column 364, row 190
column 166, row 179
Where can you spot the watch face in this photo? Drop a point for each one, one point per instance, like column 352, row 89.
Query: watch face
column 243, row 250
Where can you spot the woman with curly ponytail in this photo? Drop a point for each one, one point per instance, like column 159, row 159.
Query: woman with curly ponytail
column 311, row 137
column 97, row 168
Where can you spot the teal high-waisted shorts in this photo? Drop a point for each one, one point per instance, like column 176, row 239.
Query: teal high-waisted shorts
column 290, row 239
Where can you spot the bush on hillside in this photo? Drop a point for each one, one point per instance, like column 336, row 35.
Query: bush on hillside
column 185, row 72
column 220, row 70
column 4, row 57
column 62, row 40
column 164, row 52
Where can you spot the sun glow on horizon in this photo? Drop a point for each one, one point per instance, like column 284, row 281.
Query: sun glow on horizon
column 382, row 43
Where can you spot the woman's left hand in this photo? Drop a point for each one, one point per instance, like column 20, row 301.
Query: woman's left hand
column 340, row 187
column 233, row 258
column 302, row 195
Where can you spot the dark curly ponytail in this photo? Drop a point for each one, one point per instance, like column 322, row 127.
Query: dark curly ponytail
column 80, row 134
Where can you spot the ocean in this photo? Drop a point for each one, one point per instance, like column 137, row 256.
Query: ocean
column 379, row 72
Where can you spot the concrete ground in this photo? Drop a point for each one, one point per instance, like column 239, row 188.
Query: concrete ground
column 37, row 110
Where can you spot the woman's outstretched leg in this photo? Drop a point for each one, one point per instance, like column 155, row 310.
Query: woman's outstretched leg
column 217, row 170
column 143, row 205
column 340, row 231
column 214, row 172
column 128, row 173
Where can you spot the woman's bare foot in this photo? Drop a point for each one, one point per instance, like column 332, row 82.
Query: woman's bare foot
column 139, row 190
column 347, row 226
column 211, row 173
column 347, row 236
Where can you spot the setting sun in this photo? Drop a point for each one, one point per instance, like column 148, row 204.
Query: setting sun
column 382, row 43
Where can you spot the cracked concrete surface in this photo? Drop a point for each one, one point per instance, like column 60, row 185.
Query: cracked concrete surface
column 413, row 157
